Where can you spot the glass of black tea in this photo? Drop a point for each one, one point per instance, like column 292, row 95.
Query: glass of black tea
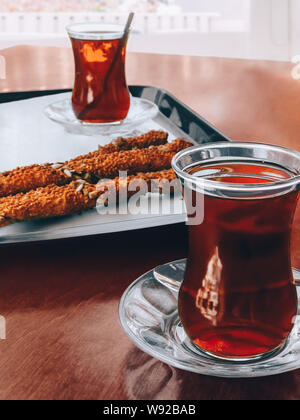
column 100, row 93
column 238, row 300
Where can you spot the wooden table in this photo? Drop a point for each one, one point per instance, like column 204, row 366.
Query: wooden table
column 60, row 299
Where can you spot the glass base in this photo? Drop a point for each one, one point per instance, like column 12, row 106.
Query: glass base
column 149, row 316
column 255, row 358
column 100, row 124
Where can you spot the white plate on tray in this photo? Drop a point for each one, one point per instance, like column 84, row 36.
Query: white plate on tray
column 149, row 316
column 28, row 136
column 140, row 111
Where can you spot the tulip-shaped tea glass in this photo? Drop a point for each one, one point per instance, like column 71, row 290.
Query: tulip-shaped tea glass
column 238, row 300
column 100, row 93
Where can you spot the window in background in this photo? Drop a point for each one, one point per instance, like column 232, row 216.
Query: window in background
column 88, row 5
column 265, row 29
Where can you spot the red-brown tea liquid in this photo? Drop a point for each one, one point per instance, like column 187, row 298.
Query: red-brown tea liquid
column 238, row 299
column 100, row 93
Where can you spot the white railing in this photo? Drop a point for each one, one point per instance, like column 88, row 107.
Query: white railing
column 184, row 33
column 55, row 23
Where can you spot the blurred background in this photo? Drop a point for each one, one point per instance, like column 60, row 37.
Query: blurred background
column 258, row 29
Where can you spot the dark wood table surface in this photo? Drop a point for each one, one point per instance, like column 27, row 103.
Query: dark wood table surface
column 60, row 299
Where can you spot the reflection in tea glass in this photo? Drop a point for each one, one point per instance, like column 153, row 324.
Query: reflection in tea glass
column 238, row 300
column 100, row 93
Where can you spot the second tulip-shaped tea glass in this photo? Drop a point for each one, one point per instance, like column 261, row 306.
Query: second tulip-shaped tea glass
column 238, row 300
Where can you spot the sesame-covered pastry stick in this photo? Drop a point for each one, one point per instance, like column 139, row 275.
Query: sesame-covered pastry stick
column 114, row 191
column 31, row 177
column 78, row 196
column 49, row 201
column 159, row 181
column 154, row 158
column 152, row 138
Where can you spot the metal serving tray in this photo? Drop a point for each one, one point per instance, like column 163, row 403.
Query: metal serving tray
column 18, row 148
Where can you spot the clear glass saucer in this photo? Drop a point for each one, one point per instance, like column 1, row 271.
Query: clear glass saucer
column 61, row 112
column 148, row 314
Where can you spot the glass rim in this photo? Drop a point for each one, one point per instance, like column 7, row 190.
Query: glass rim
column 95, row 31
column 226, row 186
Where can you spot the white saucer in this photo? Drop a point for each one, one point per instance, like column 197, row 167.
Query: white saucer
column 141, row 110
column 149, row 316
